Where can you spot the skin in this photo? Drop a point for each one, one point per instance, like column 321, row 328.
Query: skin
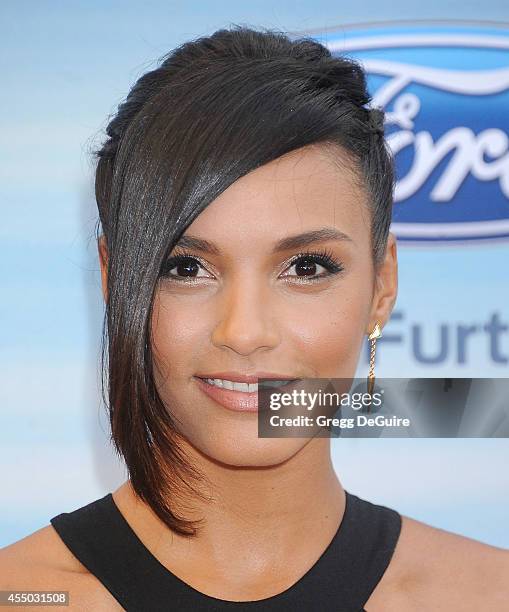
column 250, row 312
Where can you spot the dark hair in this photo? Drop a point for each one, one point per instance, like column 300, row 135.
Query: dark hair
column 212, row 111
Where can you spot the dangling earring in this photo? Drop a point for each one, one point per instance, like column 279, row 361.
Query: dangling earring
column 376, row 333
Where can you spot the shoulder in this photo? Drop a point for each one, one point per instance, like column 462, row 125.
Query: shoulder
column 439, row 570
column 42, row 562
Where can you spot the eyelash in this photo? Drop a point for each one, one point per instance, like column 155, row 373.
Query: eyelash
column 324, row 258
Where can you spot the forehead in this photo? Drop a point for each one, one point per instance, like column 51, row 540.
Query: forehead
column 306, row 189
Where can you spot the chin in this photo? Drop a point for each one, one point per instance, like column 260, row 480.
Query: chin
column 250, row 452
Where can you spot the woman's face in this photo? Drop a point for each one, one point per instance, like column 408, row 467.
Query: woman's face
column 251, row 307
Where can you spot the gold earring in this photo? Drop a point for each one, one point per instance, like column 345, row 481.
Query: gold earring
column 376, row 333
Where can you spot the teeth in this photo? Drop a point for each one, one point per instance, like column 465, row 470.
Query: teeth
column 244, row 387
column 233, row 386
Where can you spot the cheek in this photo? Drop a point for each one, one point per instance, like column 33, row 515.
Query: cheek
column 330, row 331
column 177, row 335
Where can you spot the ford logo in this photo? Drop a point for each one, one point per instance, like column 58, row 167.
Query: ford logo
column 445, row 90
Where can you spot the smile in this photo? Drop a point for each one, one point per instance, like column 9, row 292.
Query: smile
column 235, row 395
column 242, row 386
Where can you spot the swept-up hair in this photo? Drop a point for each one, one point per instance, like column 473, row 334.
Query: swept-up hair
column 213, row 110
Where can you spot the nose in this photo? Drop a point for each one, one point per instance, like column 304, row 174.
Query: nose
column 246, row 320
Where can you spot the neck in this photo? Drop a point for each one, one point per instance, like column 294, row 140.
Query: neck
column 264, row 510
column 300, row 490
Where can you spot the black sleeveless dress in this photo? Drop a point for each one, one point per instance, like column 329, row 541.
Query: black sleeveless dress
column 342, row 579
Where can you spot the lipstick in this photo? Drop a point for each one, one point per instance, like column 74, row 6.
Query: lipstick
column 241, row 401
column 236, row 400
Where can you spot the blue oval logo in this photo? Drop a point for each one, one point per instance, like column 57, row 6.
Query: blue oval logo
column 445, row 90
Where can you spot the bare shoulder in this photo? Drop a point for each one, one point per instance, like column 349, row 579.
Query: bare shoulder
column 434, row 569
column 42, row 562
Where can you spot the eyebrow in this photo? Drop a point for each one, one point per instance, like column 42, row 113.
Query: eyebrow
column 291, row 242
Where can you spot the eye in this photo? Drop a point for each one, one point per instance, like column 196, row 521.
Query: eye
column 184, row 268
column 309, row 267
column 314, row 266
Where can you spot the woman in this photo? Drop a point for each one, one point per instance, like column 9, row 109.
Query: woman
column 245, row 197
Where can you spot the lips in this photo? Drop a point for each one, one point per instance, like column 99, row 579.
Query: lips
column 239, row 401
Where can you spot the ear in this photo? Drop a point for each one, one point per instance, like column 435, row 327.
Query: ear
column 386, row 286
column 103, row 260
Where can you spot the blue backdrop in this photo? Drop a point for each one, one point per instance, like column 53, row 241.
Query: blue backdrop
column 66, row 66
